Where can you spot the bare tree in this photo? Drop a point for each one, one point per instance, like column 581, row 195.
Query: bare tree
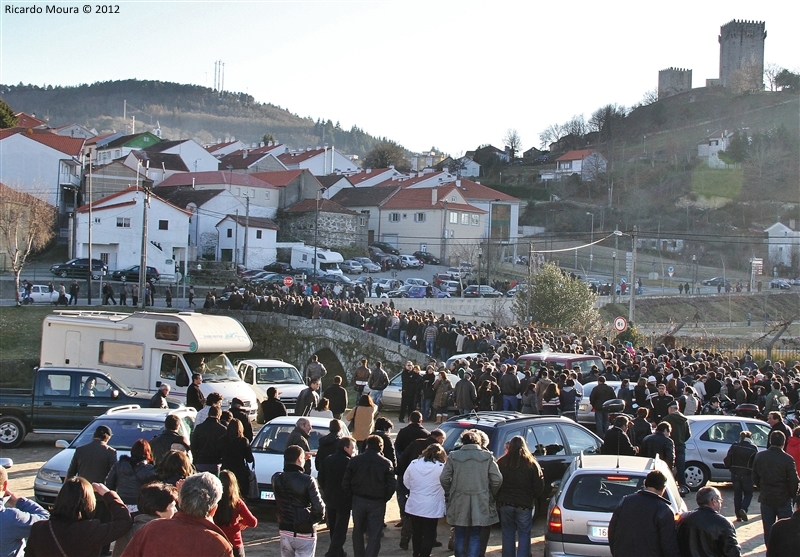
column 27, row 224
column 513, row 141
column 551, row 134
column 771, row 72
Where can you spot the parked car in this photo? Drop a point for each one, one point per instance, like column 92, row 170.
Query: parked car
column 334, row 279
column 401, row 292
column 417, row 281
column 456, row 273
column 716, row 281
column 392, row 393
column 264, row 373
column 417, row 291
column 387, row 285
column 518, row 288
column 127, row 424
column 351, row 266
column 438, row 278
column 780, row 284
column 427, row 258
column 386, row 248
column 452, row 287
column 588, row 494
column 79, row 268
column 278, row 267
column 482, row 291
column 367, row 265
column 585, row 411
column 410, row 262
column 554, row 440
column 270, row 443
column 711, row 438
column 40, row 293
column 256, row 277
column 542, row 158
column 131, row 274
column 560, row 361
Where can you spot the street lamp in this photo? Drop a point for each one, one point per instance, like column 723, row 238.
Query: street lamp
column 480, row 255
column 633, row 282
column 694, row 285
column 591, row 245
column 614, row 278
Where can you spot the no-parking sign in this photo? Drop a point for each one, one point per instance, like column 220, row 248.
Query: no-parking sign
column 620, row 324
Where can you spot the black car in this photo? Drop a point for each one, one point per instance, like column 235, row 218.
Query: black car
column 427, row 258
column 278, row 267
column 131, row 274
column 554, row 440
column 386, row 248
column 716, row 281
column 79, row 268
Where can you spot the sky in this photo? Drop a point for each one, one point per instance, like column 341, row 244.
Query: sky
column 449, row 75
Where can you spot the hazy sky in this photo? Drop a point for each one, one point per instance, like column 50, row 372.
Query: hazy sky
column 447, row 74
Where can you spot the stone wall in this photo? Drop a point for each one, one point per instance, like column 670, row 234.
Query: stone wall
column 336, row 230
column 741, row 43
column 673, row 81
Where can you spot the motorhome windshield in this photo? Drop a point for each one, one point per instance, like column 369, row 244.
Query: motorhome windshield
column 214, row 366
column 328, row 267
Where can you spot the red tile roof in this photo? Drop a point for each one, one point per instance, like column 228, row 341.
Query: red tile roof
column 473, row 190
column 359, row 177
column 215, row 177
column 97, row 138
column 297, row 158
column 218, row 146
column 28, row 121
column 252, row 222
column 421, row 199
column 578, row 155
column 68, row 145
column 95, row 207
column 325, row 206
column 278, row 178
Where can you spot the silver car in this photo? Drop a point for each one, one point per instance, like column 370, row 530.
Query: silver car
column 392, row 393
column 351, row 266
column 585, row 412
column 711, row 438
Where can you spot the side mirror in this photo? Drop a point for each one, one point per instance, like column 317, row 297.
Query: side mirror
column 115, row 393
column 6, row 462
column 61, row 444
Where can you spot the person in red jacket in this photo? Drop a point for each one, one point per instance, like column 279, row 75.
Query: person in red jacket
column 793, row 447
column 232, row 514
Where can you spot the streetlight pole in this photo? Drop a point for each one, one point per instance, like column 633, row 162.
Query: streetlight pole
column 614, row 278
column 591, row 246
column 694, row 285
column 91, row 218
column 634, row 282
column 316, row 227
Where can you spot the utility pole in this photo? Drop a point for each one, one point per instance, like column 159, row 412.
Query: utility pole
column 143, row 262
column 530, row 279
column 634, row 283
column 246, row 230
column 91, row 217
column 236, row 243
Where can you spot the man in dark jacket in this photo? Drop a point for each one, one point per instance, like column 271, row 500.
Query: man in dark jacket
column 337, row 397
column 659, row 403
column 600, row 394
column 617, row 441
column 648, row 514
column 94, row 460
column 414, row 430
column 300, row 505
column 509, row 388
column 168, row 439
column 299, row 436
column 159, row 400
column 659, row 443
column 369, row 479
column 680, row 434
column 207, row 442
column 411, row 384
column 194, row 396
column 272, row 407
column 308, row 399
column 705, row 531
column 237, row 410
column 785, row 535
column 465, row 395
column 775, row 475
column 337, row 504
column 739, row 461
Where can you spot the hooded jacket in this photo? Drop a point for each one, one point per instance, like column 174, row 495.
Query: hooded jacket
column 470, row 480
column 426, row 494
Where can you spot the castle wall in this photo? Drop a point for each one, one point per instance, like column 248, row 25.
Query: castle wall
column 673, row 81
column 741, row 43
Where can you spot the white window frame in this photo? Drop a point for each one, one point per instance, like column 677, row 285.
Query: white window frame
column 475, row 220
column 123, row 222
column 419, row 217
column 465, row 219
column 453, row 217
column 394, row 217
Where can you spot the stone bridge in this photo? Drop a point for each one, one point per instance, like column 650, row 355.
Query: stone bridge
column 339, row 347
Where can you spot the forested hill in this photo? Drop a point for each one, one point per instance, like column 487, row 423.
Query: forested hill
column 183, row 111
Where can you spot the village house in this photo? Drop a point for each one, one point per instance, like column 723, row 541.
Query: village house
column 320, row 161
column 247, row 241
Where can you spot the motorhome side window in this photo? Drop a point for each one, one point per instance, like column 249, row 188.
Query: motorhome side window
column 167, row 331
column 121, row 354
column 57, row 385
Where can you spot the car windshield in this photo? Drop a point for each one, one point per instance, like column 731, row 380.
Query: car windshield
column 124, row 431
column 326, row 267
column 214, row 366
column 600, row 492
column 278, row 374
column 272, row 438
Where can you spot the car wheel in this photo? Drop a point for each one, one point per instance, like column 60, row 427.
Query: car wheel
column 63, row 274
column 696, row 475
column 12, row 432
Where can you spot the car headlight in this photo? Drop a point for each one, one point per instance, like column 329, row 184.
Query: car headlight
column 49, row 475
column 582, row 408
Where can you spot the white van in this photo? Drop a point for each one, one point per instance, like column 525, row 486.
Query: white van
column 144, row 350
column 260, row 375
column 326, row 263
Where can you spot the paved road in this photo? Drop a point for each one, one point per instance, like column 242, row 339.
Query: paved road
column 263, row 541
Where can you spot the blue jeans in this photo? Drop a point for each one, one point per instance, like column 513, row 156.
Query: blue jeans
column 467, row 541
column 510, row 402
column 429, row 345
column 601, row 423
column 425, row 408
column 376, row 396
column 515, row 521
column 742, row 491
column 403, row 337
column 771, row 513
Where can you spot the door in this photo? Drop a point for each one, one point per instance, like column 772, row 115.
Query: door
column 549, row 448
column 95, row 396
column 72, row 348
column 54, row 406
column 714, row 443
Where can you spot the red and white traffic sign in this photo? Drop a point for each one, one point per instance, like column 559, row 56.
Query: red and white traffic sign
column 620, row 324
column 288, row 281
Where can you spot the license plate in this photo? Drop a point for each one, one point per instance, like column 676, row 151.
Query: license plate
column 268, row 495
column 600, row 532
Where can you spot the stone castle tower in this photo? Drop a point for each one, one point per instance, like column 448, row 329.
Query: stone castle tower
column 673, row 81
column 741, row 44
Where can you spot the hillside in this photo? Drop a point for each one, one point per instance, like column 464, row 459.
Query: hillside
column 183, row 111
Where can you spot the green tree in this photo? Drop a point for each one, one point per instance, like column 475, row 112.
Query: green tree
column 557, row 300
column 787, row 81
column 385, row 154
column 7, row 118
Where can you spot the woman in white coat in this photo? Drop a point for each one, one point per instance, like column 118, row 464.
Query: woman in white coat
column 425, row 505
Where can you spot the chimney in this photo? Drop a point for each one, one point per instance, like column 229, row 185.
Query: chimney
column 244, row 153
column 261, row 144
column 369, row 170
column 434, row 196
column 458, row 183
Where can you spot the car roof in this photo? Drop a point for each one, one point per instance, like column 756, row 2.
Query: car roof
column 135, row 412
column 712, row 418
column 496, row 418
column 620, row 463
column 558, row 356
column 316, row 421
column 266, row 362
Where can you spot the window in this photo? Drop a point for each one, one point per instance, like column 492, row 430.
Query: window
column 545, row 440
column 723, row 432
column 266, row 194
column 121, row 354
column 94, row 386
column 163, row 225
column 452, row 199
column 230, row 233
column 96, row 220
column 465, row 218
column 258, row 234
column 580, row 440
column 475, row 220
column 104, row 258
column 362, row 221
column 123, row 222
column 394, row 217
column 453, row 217
column 419, row 217
column 169, row 363
column 57, row 385
column 167, row 331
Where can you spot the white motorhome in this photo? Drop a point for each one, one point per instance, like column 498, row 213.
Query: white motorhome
column 327, row 261
column 143, row 350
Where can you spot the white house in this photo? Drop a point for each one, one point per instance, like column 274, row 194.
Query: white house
column 42, row 164
column 191, row 153
column 262, row 196
column 783, row 245
column 320, row 161
column 369, row 177
column 709, row 148
column 586, row 163
column 468, row 168
column 220, row 149
column 117, row 231
column 249, row 242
